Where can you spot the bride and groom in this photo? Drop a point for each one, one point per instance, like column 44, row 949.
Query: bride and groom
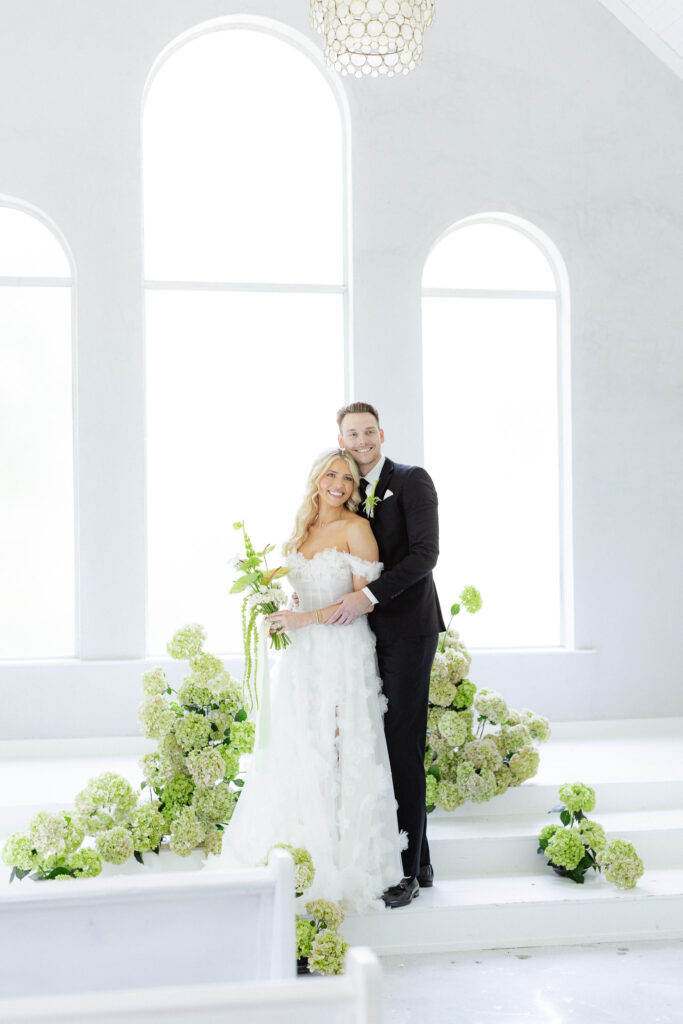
column 344, row 776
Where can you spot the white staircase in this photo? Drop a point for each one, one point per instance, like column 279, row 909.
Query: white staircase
column 492, row 889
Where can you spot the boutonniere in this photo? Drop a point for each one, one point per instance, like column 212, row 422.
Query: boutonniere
column 371, row 501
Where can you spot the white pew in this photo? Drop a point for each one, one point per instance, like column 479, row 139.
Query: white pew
column 353, row 998
column 101, row 934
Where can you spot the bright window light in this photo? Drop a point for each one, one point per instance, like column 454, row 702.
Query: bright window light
column 491, row 440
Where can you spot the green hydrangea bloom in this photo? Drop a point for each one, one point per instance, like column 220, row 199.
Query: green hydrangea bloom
column 459, row 662
column 85, row 863
column 448, row 764
column 428, row 758
column 187, row 642
column 47, row 833
column 547, row 832
column 228, row 692
column 441, row 692
column 109, row 793
column 231, row 762
column 214, row 805
column 483, row 753
column 565, row 848
column 515, row 737
column 206, row 766
column 193, row 690
column 430, row 792
column 474, row 785
column 18, row 852
column 153, row 682
column 491, row 705
column 325, row 913
column 187, row 832
column 503, row 779
column 471, row 599
column 448, row 795
column 115, row 845
column 524, row 765
column 593, row 834
column 206, row 666
column 539, row 728
column 147, row 828
column 75, row 828
column 156, row 716
column 513, row 718
column 192, row 731
column 178, row 790
column 305, row 933
column 453, row 728
column 328, row 951
column 242, row 735
column 157, row 769
column 576, row 796
column 213, row 842
column 304, row 872
column 464, row 694
column 621, row 864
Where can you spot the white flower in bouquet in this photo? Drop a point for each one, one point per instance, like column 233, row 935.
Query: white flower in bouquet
column 328, row 951
column 85, row 863
column 515, row 737
column 524, row 765
column 206, row 766
column 153, row 682
column 187, row 832
column 156, row 716
column 109, row 794
column 147, row 827
column 115, row 845
column 453, row 728
column 187, row 642
column 214, row 805
column 621, row 864
column 192, row 731
column 491, row 705
column 483, row 753
column 213, row 842
column 448, row 796
column 205, row 666
column 195, row 691
column 18, row 852
column 474, row 785
column 242, row 735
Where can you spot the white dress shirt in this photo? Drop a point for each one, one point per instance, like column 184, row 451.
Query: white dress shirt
column 372, row 476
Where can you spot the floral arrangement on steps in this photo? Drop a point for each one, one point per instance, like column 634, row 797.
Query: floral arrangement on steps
column 320, row 947
column 579, row 844
column 192, row 780
column 465, row 760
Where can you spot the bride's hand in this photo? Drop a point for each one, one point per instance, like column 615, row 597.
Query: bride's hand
column 285, row 621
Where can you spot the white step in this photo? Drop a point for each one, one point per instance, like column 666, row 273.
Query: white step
column 513, row 911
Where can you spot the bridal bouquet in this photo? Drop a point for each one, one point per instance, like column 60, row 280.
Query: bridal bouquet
column 263, row 594
column 578, row 843
column 193, row 779
column 467, row 759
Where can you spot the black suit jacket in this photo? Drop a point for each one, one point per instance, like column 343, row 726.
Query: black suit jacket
column 406, row 528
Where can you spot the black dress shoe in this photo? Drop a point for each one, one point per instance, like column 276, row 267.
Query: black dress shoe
column 425, row 876
column 402, row 894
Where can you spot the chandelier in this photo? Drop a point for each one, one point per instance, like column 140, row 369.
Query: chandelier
column 372, row 37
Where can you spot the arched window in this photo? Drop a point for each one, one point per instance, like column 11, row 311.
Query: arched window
column 493, row 402
column 36, row 440
column 243, row 147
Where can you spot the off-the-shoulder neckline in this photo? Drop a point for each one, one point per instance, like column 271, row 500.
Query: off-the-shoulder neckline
column 338, row 551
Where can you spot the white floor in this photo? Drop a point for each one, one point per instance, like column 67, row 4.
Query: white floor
column 624, row 983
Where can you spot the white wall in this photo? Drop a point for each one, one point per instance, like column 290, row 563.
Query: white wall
column 550, row 111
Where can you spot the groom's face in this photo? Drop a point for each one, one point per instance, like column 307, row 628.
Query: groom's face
column 362, row 437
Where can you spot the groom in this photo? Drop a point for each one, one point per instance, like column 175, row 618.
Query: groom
column 401, row 505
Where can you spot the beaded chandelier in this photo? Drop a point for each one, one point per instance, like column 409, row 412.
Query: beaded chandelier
column 372, row 37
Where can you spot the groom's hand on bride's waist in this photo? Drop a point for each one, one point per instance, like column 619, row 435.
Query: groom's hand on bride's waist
column 350, row 608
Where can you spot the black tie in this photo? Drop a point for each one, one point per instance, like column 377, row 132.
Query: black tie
column 363, row 488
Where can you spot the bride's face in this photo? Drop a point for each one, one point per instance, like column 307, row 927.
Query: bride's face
column 335, row 486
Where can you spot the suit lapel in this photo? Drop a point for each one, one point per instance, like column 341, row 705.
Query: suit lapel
column 384, row 479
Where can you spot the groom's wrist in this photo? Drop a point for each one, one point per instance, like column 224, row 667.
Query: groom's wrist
column 369, row 594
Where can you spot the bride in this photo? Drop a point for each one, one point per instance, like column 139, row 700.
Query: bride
column 326, row 783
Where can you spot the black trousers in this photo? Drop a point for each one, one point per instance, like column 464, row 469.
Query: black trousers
column 404, row 667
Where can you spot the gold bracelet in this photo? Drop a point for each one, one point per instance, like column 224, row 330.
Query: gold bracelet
column 319, row 616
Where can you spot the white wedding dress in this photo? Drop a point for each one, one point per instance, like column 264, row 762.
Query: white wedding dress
column 325, row 781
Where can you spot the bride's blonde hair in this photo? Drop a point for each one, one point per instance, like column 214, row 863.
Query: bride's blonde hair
column 308, row 510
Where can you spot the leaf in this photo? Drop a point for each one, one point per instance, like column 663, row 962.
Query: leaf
column 58, row 871
column 565, row 817
column 430, row 808
column 433, row 770
column 142, row 785
column 226, row 732
column 241, row 715
column 238, row 782
column 579, row 815
column 455, row 608
column 138, row 856
column 220, row 828
column 13, row 875
column 156, row 850
column 281, row 571
column 243, row 582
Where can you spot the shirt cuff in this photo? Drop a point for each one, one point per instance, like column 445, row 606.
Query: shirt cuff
column 369, row 594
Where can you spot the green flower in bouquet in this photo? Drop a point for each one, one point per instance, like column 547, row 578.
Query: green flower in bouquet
column 328, row 951
column 194, row 692
column 206, row 667
column 242, row 735
column 304, row 872
column 187, row 832
column 187, row 642
column 448, row 796
column 231, row 761
column 577, row 797
column 592, row 834
column 106, row 796
column 430, row 791
column 85, row 863
column 538, row 726
column 441, row 692
column 621, row 864
column 115, row 845
column 453, row 728
column 546, row 834
column 325, row 913
column 474, row 785
column 483, row 753
column 565, row 848
column 156, row 769
column 147, row 829
column 213, row 842
column 515, row 737
column 178, row 790
column 214, row 805
column 206, row 766
column 471, row 599
column 18, row 852
column 156, row 716
column 192, row 731
column 524, row 765
column 153, row 682
column 464, row 694
column 491, row 705
column 305, row 933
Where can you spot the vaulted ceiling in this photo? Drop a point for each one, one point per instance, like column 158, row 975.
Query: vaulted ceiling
column 657, row 23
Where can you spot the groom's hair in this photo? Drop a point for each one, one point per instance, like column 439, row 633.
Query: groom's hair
column 356, row 407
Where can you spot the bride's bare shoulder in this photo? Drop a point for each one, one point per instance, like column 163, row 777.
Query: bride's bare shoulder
column 360, row 539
